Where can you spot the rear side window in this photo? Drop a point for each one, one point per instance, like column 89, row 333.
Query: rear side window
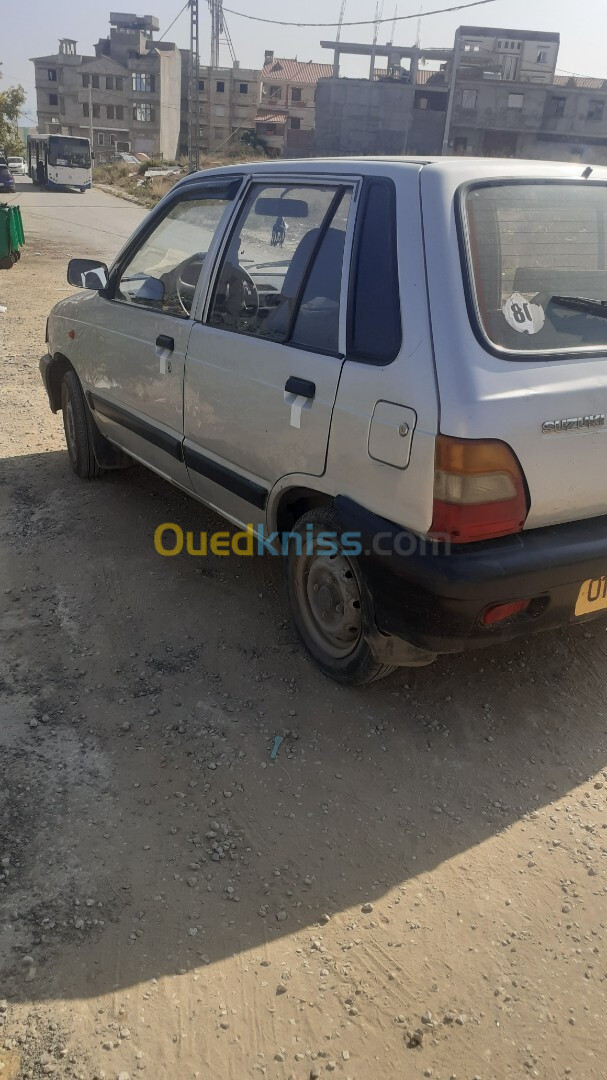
column 374, row 323
column 537, row 264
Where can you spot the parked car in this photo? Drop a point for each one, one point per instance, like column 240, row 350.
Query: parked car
column 17, row 166
column 420, row 370
column 7, row 180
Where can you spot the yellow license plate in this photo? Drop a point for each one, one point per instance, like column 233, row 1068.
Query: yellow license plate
column 592, row 596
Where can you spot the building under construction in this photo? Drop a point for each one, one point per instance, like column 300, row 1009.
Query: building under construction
column 494, row 92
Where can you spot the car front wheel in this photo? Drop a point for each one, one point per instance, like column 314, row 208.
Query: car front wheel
column 76, row 427
column 326, row 597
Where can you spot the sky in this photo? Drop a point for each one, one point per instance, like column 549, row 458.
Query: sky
column 33, row 27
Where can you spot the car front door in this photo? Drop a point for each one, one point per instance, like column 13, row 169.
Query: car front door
column 263, row 365
column 136, row 333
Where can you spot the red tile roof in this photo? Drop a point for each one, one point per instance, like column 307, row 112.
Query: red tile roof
column 581, row 82
column 270, row 118
column 297, row 71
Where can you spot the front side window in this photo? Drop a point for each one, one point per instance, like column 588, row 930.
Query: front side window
column 537, row 264
column 281, row 273
column 164, row 271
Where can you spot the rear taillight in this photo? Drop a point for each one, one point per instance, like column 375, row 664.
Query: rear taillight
column 479, row 490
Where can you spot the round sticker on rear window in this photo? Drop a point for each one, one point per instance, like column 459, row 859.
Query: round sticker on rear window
column 522, row 315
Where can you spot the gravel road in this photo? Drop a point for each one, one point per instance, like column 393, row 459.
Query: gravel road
column 415, row 887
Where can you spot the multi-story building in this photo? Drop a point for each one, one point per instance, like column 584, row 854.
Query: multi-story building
column 277, row 103
column 399, row 109
column 285, row 120
column 126, row 97
column 498, row 91
column 228, row 104
column 493, row 93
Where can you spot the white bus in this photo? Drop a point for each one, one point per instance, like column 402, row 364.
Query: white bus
column 59, row 161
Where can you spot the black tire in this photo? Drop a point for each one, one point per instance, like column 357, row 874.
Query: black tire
column 76, row 427
column 338, row 646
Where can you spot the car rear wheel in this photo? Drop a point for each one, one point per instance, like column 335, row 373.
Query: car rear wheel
column 76, row 427
column 326, row 597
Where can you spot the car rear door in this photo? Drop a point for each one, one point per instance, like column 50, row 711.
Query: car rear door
column 264, row 363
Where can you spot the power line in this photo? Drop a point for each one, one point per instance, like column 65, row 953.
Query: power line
column 187, row 4
column 361, row 22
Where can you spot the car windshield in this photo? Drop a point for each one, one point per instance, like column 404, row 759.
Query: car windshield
column 537, row 261
column 72, row 152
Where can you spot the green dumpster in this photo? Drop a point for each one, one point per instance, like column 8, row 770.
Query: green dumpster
column 11, row 235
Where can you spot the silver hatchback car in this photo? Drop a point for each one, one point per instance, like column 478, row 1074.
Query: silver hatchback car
column 365, row 365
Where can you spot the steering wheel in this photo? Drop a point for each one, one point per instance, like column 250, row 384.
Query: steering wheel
column 186, row 280
column 241, row 296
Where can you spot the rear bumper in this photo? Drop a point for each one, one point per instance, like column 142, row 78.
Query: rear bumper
column 435, row 598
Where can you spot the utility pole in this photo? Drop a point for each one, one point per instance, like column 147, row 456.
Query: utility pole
column 341, row 19
column 379, row 10
column 454, row 66
column 216, row 7
column 194, row 90
column 90, row 117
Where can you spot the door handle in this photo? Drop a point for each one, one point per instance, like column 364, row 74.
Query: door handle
column 164, row 342
column 300, row 387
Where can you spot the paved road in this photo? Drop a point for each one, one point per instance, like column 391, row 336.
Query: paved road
column 95, row 223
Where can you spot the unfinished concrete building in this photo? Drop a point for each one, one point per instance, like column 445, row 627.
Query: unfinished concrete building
column 229, row 99
column 493, row 93
column 126, row 97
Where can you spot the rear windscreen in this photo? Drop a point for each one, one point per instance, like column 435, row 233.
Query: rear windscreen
column 537, row 262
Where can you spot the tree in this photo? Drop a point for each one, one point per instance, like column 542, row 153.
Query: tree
column 11, row 103
column 252, row 141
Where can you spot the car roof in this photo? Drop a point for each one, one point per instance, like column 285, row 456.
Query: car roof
column 456, row 169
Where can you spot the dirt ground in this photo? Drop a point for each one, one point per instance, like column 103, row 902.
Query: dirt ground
column 415, row 887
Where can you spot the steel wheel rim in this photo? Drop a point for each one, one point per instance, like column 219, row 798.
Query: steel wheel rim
column 330, row 602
